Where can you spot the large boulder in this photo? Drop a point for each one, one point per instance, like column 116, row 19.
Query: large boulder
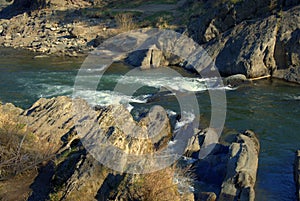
column 241, row 169
column 243, row 39
column 152, row 58
column 287, row 49
column 236, row 80
column 145, row 58
column 247, row 49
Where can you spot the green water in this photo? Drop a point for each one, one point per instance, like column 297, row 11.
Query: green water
column 270, row 108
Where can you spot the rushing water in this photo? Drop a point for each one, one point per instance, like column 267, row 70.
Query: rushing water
column 270, row 108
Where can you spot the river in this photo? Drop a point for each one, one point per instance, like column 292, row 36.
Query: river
column 268, row 107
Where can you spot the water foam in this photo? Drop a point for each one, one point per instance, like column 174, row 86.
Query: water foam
column 106, row 98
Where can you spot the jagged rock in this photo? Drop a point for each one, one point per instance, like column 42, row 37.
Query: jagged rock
column 10, row 109
column 79, row 175
column 211, row 32
column 158, row 126
column 221, row 17
column 77, row 172
column 152, row 58
column 193, row 146
column 145, row 58
column 236, row 80
column 241, row 169
column 241, row 43
column 50, row 120
column 297, row 173
column 287, row 51
column 207, row 139
column 224, row 17
column 247, row 50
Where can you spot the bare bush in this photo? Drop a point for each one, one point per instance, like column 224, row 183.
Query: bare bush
column 125, row 21
column 162, row 185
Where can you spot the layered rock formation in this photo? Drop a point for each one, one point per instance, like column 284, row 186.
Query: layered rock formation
column 231, row 169
column 241, row 168
column 247, row 38
column 75, row 172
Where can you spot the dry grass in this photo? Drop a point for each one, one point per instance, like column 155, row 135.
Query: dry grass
column 125, row 21
column 20, row 150
column 163, row 185
column 157, row 186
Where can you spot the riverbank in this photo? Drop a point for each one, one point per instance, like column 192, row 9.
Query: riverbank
column 67, row 28
column 258, row 42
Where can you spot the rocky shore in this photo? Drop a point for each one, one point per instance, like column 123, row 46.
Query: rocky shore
column 62, row 29
column 72, row 171
column 258, row 42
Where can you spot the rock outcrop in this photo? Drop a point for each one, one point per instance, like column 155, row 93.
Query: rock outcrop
column 76, row 170
column 51, row 120
column 231, row 169
column 241, row 168
column 152, row 58
column 287, row 51
column 243, row 39
column 297, row 174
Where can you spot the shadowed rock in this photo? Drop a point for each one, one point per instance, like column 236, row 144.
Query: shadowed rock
column 241, row 169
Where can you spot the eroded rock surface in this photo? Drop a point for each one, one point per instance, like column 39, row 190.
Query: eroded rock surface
column 255, row 42
column 241, row 168
column 76, row 170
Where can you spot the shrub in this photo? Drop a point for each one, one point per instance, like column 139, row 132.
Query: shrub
column 125, row 21
column 162, row 185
